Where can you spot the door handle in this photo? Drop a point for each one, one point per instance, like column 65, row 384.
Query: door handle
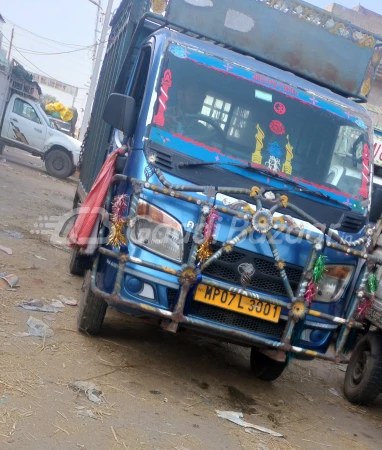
column 15, row 120
column 38, row 131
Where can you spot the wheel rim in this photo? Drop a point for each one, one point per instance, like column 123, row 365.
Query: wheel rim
column 58, row 164
column 360, row 367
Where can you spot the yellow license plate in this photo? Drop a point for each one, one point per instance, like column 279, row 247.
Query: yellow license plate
column 238, row 303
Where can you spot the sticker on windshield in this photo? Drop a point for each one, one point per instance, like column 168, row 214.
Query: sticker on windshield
column 279, row 108
column 276, row 152
column 287, row 167
column 179, row 51
column 277, row 127
column 256, row 156
column 364, row 191
column 163, row 99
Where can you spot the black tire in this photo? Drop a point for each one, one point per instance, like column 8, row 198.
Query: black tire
column 265, row 368
column 91, row 310
column 2, row 148
column 78, row 263
column 59, row 164
column 363, row 379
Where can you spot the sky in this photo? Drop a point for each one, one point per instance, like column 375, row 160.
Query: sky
column 71, row 23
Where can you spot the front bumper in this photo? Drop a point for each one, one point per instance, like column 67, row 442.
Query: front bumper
column 172, row 319
column 298, row 309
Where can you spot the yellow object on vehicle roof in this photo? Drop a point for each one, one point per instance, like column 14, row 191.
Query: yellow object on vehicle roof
column 65, row 113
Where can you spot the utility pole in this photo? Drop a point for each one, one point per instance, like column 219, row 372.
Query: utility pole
column 97, row 65
column 96, row 34
column 10, row 45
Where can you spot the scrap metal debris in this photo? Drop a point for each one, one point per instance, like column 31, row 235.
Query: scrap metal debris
column 237, row 418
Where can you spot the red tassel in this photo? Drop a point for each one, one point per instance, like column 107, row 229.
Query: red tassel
column 210, row 226
column 365, row 307
column 90, row 209
column 119, row 208
column 311, row 292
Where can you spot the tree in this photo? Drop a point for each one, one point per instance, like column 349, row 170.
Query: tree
column 47, row 98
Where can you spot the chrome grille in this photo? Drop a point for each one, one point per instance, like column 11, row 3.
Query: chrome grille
column 267, row 278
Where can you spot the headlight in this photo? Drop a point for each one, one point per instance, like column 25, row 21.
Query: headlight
column 158, row 232
column 333, row 283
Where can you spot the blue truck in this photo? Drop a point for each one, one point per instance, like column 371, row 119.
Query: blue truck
column 245, row 176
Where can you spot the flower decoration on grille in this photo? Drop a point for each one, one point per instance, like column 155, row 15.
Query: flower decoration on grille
column 299, row 310
column 117, row 233
column 255, row 191
column 284, row 200
column 280, row 264
column 262, row 221
column 188, row 276
column 205, row 250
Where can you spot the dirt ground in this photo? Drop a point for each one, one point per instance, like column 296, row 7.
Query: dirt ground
column 160, row 390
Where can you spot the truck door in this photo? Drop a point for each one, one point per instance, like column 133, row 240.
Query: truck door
column 22, row 124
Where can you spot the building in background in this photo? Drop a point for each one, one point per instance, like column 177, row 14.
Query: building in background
column 372, row 22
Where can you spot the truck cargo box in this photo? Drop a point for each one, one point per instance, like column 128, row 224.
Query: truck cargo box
column 293, row 35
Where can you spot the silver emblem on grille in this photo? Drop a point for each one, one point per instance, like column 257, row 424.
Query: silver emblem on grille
column 247, row 271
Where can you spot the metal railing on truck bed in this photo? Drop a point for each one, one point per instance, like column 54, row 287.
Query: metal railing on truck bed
column 123, row 26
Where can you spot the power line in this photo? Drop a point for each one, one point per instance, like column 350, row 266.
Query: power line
column 42, row 37
column 30, row 62
column 51, row 47
column 32, row 52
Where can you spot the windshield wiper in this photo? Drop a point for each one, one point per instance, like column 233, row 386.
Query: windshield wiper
column 250, row 168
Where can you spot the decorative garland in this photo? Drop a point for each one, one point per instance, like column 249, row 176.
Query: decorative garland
column 318, row 272
column 366, row 305
column 205, row 250
column 117, row 236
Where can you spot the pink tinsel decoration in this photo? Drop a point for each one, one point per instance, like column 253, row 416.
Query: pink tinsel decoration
column 210, row 226
column 119, row 208
column 311, row 292
column 365, row 307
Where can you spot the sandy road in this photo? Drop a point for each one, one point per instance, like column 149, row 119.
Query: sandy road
column 161, row 390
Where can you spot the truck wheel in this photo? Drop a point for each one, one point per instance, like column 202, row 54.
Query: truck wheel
column 59, row 164
column 363, row 379
column 78, row 263
column 2, row 148
column 265, row 368
column 91, row 310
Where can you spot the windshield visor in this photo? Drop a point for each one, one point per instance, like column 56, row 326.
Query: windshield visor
column 225, row 112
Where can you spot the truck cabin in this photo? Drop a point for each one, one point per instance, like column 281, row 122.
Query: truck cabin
column 205, row 104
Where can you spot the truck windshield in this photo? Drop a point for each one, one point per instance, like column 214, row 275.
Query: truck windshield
column 214, row 110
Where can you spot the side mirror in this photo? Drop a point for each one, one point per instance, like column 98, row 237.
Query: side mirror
column 376, row 204
column 119, row 112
